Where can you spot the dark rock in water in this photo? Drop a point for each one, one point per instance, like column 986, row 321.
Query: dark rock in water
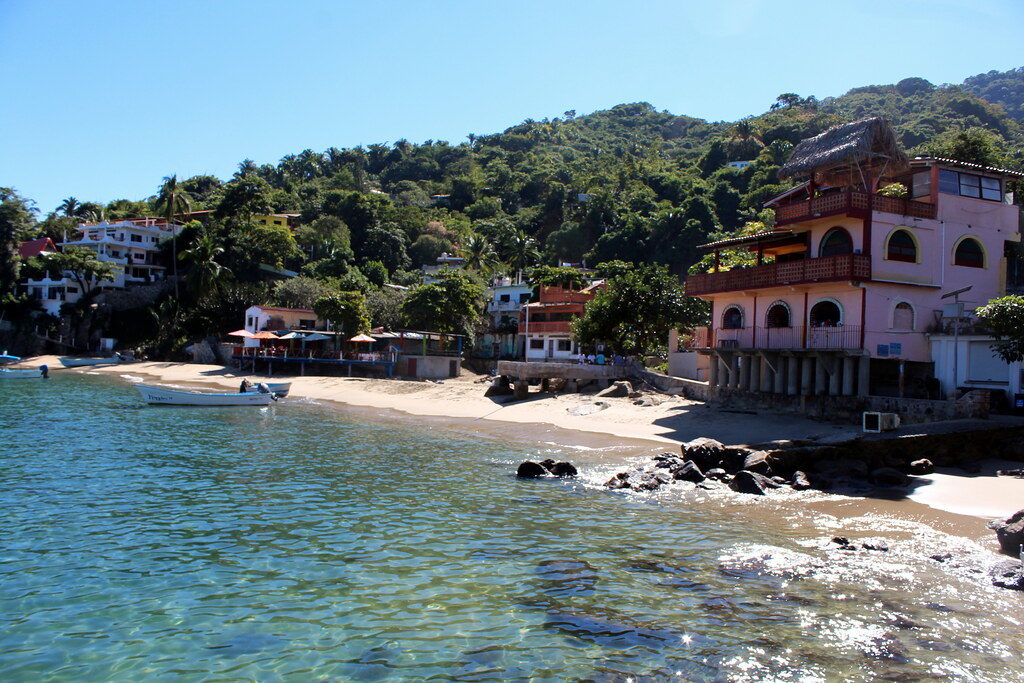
column 531, row 469
column 757, row 462
column 611, row 630
column 1008, row 574
column 778, row 480
column 1010, row 533
column 844, row 543
column 667, row 460
column 566, row 577
column 1010, row 473
column 821, row 483
column 563, row 469
column 547, row 463
column 800, row 481
column 716, row 473
column 922, row 466
column 652, row 481
column 943, row 557
column 705, row 452
column 751, row 482
column 619, row 481
column 689, row 472
column 879, row 546
column 888, row 476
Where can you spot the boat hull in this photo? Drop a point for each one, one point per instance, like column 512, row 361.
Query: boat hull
column 177, row 397
column 279, row 388
column 82, row 362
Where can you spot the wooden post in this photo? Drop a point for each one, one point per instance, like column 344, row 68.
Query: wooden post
column 717, row 262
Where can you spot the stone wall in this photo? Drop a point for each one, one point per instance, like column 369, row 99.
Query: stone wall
column 974, row 404
column 689, row 388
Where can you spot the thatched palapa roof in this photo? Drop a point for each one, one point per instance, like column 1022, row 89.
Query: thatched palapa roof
column 846, row 145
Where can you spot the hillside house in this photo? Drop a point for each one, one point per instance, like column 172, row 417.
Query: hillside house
column 545, row 324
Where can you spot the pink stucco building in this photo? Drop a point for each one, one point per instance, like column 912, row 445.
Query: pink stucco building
column 849, row 283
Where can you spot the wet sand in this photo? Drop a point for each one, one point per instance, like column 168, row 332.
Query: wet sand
column 636, row 431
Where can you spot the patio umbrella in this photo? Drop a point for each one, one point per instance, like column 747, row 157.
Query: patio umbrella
column 316, row 337
column 362, row 338
column 241, row 333
column 264, row 334
column 291, row 335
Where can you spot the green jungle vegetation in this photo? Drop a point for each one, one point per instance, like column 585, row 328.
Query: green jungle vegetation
column 630, row 186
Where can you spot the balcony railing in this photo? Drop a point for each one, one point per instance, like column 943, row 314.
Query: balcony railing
column 853, row 267
column 550, row 326
column 835, row 338
column 850, row 203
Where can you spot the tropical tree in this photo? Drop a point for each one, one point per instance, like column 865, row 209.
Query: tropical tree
column 561, row 276
column 345, row 311
column 204, row 272
column 15, row 226
column 451, row 305
column 1004, row 318
column 637, row 309
column 70, row 207
column 83, row 266
column 522, row 253
column 172, row 200
column 479, row 254
column 300, row 292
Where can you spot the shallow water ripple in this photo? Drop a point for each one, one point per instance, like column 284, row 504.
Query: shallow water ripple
column 300, row 542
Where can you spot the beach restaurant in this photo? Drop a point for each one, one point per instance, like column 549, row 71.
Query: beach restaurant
column 274, row 337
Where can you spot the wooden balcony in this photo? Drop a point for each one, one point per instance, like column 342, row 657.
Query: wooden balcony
column 849, row 203
column 832, row 338
column 544, row 327
column 845, row 267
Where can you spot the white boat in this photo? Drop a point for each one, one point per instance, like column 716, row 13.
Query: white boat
column 72, row 362
column 177, row 397
column 279, row 388
column 7, row 373
column 6, row 358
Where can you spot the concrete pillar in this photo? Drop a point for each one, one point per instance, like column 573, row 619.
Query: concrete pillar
column 848, row 376
column 820, row 376
column 806, row 373
column 521, row 388
column 792, row 375
column 863, row 375
column 545, row 385
column 779, row 375
column 572, row 386
column 755, row 373
column 833, row 379
column 744, row 362
column 734, row 371
column 766, row 373
column 713, row 372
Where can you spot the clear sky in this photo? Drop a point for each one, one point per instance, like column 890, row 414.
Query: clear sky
column 104, row 98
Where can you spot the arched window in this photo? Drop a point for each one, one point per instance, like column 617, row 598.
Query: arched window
column 836, row 241
column 778, row 315
column 969, row 253
column 903, row 316
column 826, row 313
column 732, row 318
column 901, row 247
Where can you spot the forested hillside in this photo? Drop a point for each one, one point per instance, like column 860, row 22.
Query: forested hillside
column 629, row 183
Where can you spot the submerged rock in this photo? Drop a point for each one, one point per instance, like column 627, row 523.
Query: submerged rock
column 620, row 480
column 757, row 462
column 563, row 469
column 800, row 481
column 922, row 466
column 751, row 482
column 1010, row 533
column 1008, row 574
column 531, row 469
column 716, row 473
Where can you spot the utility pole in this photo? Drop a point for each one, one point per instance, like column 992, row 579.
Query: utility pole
column 951, row 392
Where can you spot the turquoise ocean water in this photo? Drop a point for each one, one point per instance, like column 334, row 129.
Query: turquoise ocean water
column 305, row 542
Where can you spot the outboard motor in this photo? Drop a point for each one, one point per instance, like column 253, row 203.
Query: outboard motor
column 44, row 370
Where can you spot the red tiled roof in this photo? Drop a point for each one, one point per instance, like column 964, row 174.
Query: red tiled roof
column 36, row 247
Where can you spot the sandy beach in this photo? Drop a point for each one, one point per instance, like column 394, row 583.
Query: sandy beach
column 658, row 423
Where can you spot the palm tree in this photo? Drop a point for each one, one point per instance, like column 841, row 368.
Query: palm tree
column 172, row 200
column 522, row 253
column 70, row 207
column 479, row 254
column 204, row 273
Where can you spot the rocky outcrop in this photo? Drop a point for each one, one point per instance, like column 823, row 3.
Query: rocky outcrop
column 754, row 483
column 689, row 472
column 801, row 481
column 619, row 389
column 1008, row 574
column 920, row 467
column 1010, row 533
column 888, row 476
column 563, row 469
column 530, row 469
column 706, row 453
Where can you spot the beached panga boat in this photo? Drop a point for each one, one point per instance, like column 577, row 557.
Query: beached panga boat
column 178, row 397
column 7, row 373
column 73, row 362
column 6, row 358
column 279, row 388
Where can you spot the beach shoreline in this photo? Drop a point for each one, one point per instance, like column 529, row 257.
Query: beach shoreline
column 628, row 429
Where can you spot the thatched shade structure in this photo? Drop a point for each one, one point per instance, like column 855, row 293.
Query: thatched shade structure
column 848, row 154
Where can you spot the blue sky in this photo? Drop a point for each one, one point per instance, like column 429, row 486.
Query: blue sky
column 104, row 98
